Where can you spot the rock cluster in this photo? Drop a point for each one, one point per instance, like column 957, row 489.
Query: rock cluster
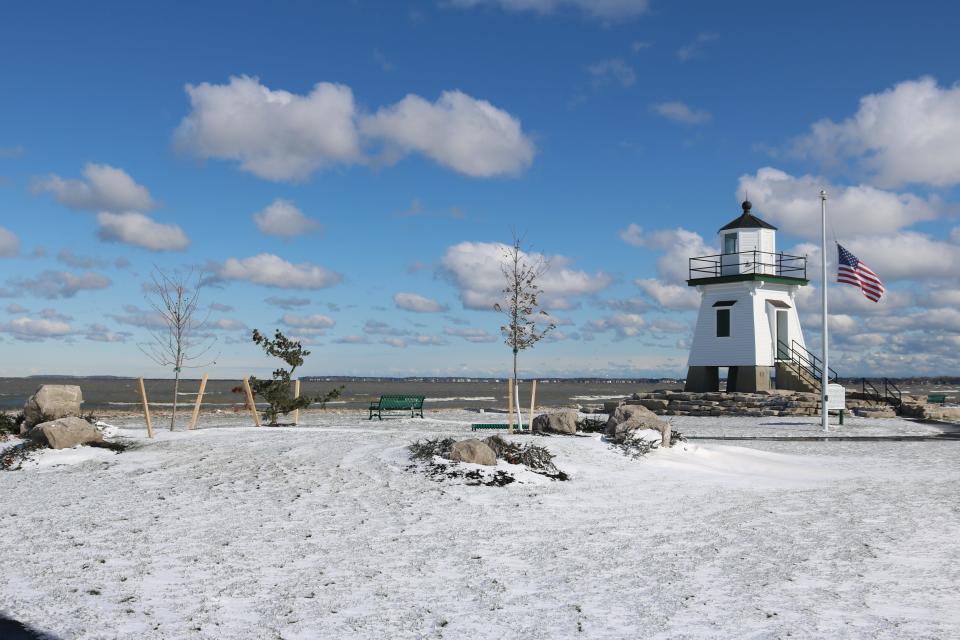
column 764, row 403
column 52, row 401
column 558, row 422
column 65, row 433
column 473, row 451
column 631, row 417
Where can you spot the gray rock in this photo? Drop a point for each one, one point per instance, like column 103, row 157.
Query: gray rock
column 557, row 422
column 52, row 401
column 473, row 451
column 630, row 417
column 64, row 433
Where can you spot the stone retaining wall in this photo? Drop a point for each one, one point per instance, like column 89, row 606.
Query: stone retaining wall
column 763, row 403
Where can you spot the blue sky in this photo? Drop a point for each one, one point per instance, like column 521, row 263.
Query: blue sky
column 392, row 144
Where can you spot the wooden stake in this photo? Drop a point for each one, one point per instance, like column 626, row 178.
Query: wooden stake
column 250, row 402
column 296, row 394
column 196, row 405
column 146, row 409
column 533, row 401
column 510, row 403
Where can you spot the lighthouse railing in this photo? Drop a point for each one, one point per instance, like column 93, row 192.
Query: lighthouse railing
column 748, row 262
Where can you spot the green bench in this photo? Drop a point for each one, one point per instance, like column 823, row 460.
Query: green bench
column 490, row 427
column 413, row 404
column 936, row 398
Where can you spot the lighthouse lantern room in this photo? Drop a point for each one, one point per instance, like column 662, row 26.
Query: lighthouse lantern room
column 748, row 320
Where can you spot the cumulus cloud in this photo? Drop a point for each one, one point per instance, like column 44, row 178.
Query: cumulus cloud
column 35, row 329
column 417, row 303
column 273, row 271
column 417, row 341
column 353, row 339
column 136, row 317
column 101, row 333
column 225, row 324
column 104, row 188
column 624, row 325
column 273, row 134
column 458, row 131
column 793, row 204
column 282, row 136
column 908, row 255
column 600, row 9
column 282, row 218
column 670, row 296
column 380, row 328
column 16, row 309
column 678, row 246
column 472, row 334
column 313, row 321
column 9, row 244
column 140, row 230
column 474, row 267
column 612, row 70
column 906, row 134
column 62, row 284
column 682, row 113
column 71, row 259
column 287, row 303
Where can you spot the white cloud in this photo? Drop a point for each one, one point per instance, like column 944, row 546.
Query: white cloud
column 670, row 296
column 287, row 303
column 31, row 329
column 278, row 135
column 417, row 303
column 137, row 317
column 274, row 134
column 314, row 321
column 907, row 134
column 601, row 9
column 793, row 204
column 225, row 324
column 682, row 113
column 71, row 259
column 678, row 245
column 474, row 268
column 463, row 133
column 907, row 255
column 695, row 48
column 9, row 244
column 352, row 340
column 282, row 218
column 380, row 328
column 626, row 325
column 273, row 271
column 16, row 309
column 106, row 188
column 141, row 230
column 62, row 284
column 471, row 334
column 612, row 70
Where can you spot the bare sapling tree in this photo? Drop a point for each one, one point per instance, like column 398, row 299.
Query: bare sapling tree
column 527, row 323
column 180, row 340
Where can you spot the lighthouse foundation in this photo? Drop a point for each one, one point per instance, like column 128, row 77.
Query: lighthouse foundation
column 745, row 379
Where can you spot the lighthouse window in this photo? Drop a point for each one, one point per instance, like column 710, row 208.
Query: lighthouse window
column 723, row 323
column 730, row 243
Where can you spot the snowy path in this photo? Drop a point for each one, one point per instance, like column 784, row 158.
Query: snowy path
column 319, row 532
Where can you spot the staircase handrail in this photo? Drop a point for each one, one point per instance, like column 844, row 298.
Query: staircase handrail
column 816, row 364
column 873, row 394
column 895, row 400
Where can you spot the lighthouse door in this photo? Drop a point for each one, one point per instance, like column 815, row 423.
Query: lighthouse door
column 783, row 335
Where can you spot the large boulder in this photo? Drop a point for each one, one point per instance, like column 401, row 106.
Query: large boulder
column 630, row 417
column 64, row 433
column 557, row 422
column 473, row 451
column 52, row 401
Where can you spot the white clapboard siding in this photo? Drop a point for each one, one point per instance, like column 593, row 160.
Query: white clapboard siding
column 752, row 328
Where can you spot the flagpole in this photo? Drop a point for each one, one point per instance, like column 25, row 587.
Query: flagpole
column 825, row 374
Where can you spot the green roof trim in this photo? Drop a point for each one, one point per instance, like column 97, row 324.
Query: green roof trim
column 748, row 277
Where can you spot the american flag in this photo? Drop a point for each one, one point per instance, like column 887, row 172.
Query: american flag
column 852, row 271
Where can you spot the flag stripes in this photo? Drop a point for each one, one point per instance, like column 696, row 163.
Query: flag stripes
column 851, row 270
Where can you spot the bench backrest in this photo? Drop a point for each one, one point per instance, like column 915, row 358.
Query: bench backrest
column 401, row 402
column 936, row 397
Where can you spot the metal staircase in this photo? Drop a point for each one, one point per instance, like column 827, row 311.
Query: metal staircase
column 798, row 362
column 891, row 394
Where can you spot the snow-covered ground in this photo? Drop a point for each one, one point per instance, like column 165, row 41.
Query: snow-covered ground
column 321, row 531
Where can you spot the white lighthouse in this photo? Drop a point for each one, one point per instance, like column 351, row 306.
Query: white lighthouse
column 748, row 320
